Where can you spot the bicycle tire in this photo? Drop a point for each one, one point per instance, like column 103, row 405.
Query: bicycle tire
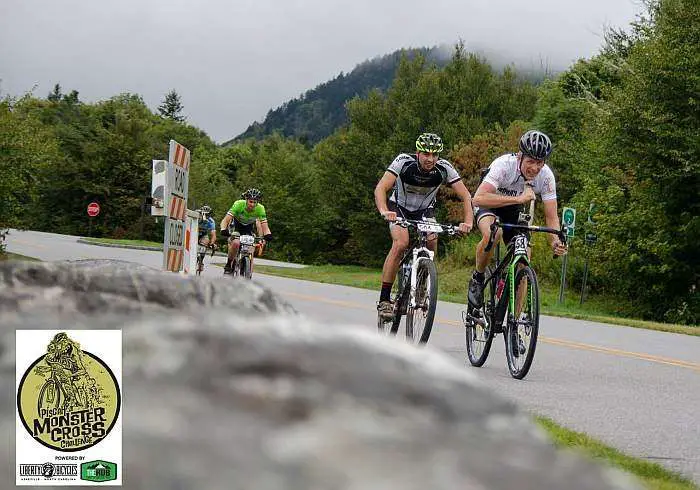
column 401, row 305
column 488, row 312
column 532, row 303
column 244, row 270
column 425, row 269
column 42, row 393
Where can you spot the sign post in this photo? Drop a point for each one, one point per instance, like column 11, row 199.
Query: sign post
column 93, row 210
column 176, row 182
column 590, row 240
column 568, row 217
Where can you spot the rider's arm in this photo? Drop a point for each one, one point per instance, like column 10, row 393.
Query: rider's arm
column 551, row 218
column 265, row 228
column 383, row 186
column 226, row 221
column 486, row 196
column 212, row 236
column 466, row 198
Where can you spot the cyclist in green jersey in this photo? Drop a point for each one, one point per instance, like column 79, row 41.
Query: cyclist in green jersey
column 244, row 213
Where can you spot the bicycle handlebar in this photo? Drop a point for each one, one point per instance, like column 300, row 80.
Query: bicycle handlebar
column 497, row 224
column 407, row 223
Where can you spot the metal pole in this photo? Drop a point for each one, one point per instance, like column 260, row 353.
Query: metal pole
column 143, row 208
column 90, row 226
column 562, row 284
column 585, row 277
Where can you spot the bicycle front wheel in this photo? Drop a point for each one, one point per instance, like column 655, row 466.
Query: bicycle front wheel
column 479, row 332
column 523, row 324
column 419, row 319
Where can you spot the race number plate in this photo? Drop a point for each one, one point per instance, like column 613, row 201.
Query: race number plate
column 430, row 227
column 520, row 245
column 247, row 239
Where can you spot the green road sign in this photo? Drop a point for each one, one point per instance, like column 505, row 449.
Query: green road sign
column 98, row 471
column 568, row 217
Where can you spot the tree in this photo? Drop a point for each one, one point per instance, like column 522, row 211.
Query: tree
column 172, row 107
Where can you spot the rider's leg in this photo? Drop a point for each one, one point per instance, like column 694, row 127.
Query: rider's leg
column 399, row 237
column 476, row 284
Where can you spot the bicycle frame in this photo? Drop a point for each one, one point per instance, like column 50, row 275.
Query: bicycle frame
column 418, row 250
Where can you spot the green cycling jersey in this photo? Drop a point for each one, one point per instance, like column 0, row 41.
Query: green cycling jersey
column 245, row 217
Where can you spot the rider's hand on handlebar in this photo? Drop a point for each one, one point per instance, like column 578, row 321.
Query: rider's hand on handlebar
column 527, row 195
column 224, row 232
column 465, row 228
column 558, row 247
column 389, row 215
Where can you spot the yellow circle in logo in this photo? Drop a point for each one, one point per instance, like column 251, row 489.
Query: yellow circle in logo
column 68, row 399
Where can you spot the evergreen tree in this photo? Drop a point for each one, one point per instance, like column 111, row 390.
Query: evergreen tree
column 171, row 107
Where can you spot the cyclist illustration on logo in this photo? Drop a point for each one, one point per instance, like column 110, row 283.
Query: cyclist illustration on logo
column 68, row 386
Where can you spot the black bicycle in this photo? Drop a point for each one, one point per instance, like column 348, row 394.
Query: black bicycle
column 511, row 294
column 201, row 252
column 417, row 290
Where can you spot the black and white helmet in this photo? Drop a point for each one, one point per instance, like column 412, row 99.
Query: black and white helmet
column 205, row 210
column 535, row 144
column 252, row 193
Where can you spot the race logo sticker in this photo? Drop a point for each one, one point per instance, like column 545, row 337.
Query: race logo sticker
column 68, row 403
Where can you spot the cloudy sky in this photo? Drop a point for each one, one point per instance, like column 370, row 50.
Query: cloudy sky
column 233, row 60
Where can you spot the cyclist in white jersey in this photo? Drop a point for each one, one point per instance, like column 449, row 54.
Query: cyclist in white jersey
column 503, row 192
column 415, row 180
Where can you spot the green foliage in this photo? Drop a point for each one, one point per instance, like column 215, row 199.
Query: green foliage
column 26, row 147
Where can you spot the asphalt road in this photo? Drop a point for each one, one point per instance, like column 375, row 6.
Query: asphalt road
column 637, row 390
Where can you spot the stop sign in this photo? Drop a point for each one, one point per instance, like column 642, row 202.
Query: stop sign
column 93, row 209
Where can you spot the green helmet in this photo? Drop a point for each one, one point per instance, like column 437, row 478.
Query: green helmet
column 429, row 143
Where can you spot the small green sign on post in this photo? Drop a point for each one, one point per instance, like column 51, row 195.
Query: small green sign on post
column 568, row 217
column 98, row 471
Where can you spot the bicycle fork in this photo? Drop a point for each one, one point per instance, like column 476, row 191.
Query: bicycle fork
column 414, row 274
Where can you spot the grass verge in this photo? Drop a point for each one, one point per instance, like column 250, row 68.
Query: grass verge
column 114, row 241
column 453, row 287
column 652, row 475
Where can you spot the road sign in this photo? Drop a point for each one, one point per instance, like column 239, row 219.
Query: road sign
column 177, row 171
column 93, row 209
column 568, row 217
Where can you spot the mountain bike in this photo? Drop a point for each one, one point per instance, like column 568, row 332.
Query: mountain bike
column 511, row 301
column 201, row 252
column 243, row 265
column 416, row 294
column 52, row 393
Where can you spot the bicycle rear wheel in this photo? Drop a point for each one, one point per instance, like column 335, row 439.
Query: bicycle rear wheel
column 523, row 324
column 419, row 319
column 479, row 332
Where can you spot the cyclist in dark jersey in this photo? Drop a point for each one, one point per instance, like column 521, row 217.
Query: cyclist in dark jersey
column 415, row 180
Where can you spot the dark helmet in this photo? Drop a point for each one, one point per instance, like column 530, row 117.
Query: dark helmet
column 429, row 143
column 252, row 193
column 535, row 144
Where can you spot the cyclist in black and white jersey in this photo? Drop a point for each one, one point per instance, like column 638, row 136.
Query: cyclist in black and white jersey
column 503, row 192
column 415, row 180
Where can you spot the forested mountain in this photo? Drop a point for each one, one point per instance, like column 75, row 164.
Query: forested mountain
column 317, row 113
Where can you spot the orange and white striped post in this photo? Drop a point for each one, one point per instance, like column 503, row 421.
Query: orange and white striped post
column 176, row 188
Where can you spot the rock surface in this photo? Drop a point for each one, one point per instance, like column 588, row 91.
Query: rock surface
column 226, row 387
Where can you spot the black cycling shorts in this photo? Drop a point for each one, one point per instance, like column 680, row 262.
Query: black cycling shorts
column 417, row 215
column 507, row 214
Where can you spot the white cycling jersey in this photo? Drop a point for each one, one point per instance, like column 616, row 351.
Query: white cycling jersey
column 504, row 174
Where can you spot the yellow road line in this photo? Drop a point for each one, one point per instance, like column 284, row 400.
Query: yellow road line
column 548, row 340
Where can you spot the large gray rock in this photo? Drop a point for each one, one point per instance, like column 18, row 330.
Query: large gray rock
column 247, row 394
